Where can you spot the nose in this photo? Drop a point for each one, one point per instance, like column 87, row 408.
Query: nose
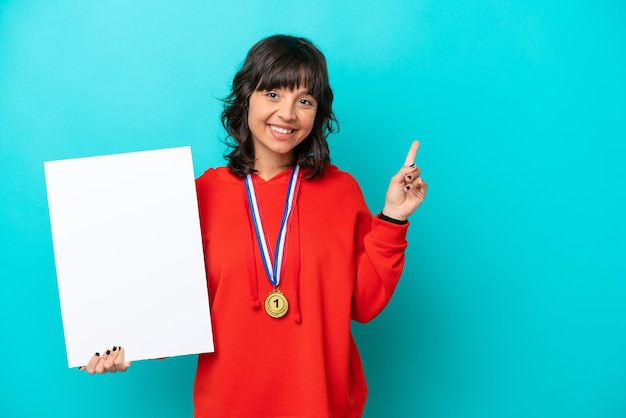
column 287, row 110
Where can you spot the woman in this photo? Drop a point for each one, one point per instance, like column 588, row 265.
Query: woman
column 292, row 252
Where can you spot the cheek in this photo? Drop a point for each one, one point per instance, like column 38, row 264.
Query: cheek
column 310, row 122
column 254, row 109
column 254, row 116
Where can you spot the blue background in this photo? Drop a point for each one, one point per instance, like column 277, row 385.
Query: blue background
column 512, row 303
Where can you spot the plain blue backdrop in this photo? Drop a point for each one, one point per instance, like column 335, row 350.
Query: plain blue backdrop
column 512, row 303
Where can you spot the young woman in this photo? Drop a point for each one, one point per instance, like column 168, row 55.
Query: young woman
column 292, row 252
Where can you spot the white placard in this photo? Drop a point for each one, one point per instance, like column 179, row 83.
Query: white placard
column 128, row 255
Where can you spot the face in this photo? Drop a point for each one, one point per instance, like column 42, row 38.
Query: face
column 279, row 120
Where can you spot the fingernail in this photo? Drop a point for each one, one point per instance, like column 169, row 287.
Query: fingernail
column 97, row 354
column 108, row 352
column 114, row 348
column 412, row 165
column 408, row 188
column 409, row 177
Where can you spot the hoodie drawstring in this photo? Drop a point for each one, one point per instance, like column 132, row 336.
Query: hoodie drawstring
column 248, row 242
column 295, row 257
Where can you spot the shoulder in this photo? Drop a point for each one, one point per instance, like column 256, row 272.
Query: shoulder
column 335, row 182
column 217, row 181
column 334, row 177
column 335, row 195
column 217, row 175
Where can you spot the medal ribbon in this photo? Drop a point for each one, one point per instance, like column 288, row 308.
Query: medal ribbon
column 272, row 269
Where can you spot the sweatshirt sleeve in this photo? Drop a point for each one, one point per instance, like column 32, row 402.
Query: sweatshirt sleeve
column 380, row 260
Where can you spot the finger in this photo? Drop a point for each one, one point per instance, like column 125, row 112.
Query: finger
column 109, row 365
column 413, row 174
column 119, row 362
column 93, row 362
column 420, row 187
column 410, row 157
column 417, row 184
column 423, row 186
column 103, row 358
column 414, row 180
column 405, row 175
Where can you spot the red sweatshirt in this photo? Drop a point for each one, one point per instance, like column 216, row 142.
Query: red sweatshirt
column 340, row 264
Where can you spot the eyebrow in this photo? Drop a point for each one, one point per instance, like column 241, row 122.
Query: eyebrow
column 306, row 92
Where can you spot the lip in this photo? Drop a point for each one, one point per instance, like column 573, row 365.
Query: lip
column 281, row 135
column 285, row 127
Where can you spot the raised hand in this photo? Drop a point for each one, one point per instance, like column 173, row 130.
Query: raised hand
column 407, row 189
column 110, row 361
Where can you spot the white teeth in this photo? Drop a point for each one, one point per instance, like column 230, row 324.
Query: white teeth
column 281, row 130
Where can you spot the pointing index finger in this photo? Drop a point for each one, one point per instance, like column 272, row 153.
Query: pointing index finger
column 410, row 157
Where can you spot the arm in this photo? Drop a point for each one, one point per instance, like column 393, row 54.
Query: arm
column 381, row 243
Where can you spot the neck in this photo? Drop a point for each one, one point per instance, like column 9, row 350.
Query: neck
column 268, row 173
column 268, row 169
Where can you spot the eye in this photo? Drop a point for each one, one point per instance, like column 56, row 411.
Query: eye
column 307, row 102
column 271, row 95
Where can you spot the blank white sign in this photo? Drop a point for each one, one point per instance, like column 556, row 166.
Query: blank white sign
column 128, row 255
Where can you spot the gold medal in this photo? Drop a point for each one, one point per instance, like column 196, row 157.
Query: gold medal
column 276, row 304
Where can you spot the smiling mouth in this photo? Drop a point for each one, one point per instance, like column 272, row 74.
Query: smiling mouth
column 281, row 130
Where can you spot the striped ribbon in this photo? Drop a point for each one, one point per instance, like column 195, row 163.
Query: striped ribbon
column 272, row 269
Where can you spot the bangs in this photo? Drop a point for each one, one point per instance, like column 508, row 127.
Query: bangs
column 292, row 70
